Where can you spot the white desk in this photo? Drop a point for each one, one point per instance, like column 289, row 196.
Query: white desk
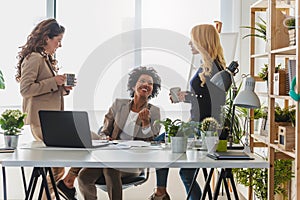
column 38, row 156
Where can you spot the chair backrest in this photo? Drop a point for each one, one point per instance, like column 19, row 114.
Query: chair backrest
column 126, row 181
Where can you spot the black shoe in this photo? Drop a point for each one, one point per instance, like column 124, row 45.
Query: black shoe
column 66, row 192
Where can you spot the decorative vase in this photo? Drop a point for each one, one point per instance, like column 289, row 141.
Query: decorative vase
column 11, row 141
column 211, row 143
column 178, row 144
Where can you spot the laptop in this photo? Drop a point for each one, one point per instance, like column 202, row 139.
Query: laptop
column 230, row 155
column 67, row 129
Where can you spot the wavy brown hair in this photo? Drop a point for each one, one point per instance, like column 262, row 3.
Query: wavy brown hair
column 206, row 41
column 36, row 41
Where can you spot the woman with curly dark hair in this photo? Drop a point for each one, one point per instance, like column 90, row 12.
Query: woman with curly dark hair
column 40, row 85
column 127, row 119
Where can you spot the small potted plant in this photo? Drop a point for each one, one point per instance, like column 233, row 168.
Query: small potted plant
column 290, row 23
column 263, row 74
column 178, row 132
column 11, row 122
column 209, row 133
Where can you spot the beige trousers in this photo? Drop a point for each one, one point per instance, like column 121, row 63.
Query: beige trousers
column 88, row 177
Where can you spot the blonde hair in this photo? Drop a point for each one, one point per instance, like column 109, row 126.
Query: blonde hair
column 206, row 41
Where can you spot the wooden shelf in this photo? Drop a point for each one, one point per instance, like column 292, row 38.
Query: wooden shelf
column 261, row 55
column 289, row 153
column 285, row 97
column 273, row 56
column 286, row 51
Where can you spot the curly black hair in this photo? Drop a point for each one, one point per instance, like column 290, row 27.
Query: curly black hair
column 135, row 74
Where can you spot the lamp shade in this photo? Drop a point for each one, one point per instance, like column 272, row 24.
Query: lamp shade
column 247, row 98
column 223, row 79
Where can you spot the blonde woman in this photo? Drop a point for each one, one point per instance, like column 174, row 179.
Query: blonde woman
column 205, row 98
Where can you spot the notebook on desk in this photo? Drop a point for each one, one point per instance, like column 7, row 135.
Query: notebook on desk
column 230, row 155
column 67, row 129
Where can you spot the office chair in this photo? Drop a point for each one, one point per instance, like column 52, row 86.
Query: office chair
column 126, row 181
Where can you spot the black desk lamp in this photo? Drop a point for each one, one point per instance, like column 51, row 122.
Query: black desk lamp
column 223, row 80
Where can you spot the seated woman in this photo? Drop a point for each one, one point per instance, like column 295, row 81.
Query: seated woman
column 127, row 119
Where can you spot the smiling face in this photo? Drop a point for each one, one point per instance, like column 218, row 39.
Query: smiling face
column 144, row 86
column 53, row 44
column 194, row 51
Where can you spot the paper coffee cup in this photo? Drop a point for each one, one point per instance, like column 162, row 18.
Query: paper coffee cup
column 70, row 79
column 174, row 94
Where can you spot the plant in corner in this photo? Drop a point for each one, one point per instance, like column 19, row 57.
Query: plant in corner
column 258, row 178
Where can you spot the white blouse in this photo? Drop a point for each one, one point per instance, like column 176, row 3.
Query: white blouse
column 128, row 129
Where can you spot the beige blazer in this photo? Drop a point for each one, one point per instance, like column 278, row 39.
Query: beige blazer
column 116, row 117
column 38, row 88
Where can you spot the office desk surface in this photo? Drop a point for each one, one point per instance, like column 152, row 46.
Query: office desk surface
column 40, row 156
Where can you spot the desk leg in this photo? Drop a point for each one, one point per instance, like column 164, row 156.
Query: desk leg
column 37, row 171
column 32, row 183
column 225, row 173
column 193, row 183
column 4, row 183
column 207, row 184
column 204, row 170
column 24, row 179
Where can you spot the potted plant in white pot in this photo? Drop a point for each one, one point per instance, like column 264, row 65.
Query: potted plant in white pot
column 178, row 132
column 11, row 122
column 209, row 133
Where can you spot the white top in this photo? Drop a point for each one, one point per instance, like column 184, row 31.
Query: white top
column 129, row 126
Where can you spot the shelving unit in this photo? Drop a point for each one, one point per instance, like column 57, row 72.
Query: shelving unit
column 273, row 53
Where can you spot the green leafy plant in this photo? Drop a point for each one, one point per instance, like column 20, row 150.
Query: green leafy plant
column 2, row 85
column 263, row 74
column 179, row 128
column 287, row 114
column 226, row 117
column 260, row 28
column 12, row 121
column 258, row 178
column 290, row 23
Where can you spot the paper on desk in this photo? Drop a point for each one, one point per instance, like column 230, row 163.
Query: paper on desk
column 135, row 143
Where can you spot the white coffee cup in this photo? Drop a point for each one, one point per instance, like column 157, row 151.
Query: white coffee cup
column 70, row 79
column 174, row 94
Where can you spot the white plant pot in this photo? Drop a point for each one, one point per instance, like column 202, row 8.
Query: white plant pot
column 178, row 144
column 211, row 143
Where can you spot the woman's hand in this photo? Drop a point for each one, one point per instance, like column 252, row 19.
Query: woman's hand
column 144, row 116
column 60, row 79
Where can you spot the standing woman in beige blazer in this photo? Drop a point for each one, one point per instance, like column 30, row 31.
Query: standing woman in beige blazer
column 40, row 85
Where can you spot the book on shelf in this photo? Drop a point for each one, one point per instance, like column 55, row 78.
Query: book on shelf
column 291, row 70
